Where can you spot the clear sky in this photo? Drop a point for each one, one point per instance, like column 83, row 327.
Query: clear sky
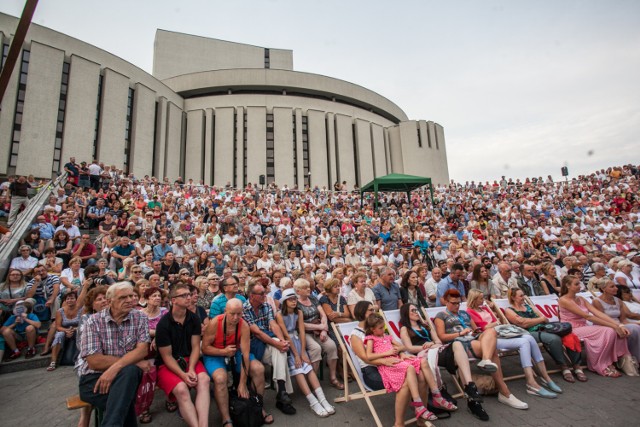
column 521, row 87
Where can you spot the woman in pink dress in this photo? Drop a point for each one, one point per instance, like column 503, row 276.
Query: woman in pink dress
column 605, row 341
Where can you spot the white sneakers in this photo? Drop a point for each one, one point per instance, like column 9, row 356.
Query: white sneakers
column 487, row 365
column 512, row 401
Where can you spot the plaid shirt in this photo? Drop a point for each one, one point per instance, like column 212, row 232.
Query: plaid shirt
column 102, row 335
column 262, row 319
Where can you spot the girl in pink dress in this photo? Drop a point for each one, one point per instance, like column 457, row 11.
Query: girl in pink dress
column 379, row 345
column 605, row 341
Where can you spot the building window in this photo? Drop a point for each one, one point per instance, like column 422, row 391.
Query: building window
column 98, row 110
column 305, row 150
column 155, row 140
column 17, row 118
column 235, row 148
column 127, row 131
column 5, row 53
column 267, row 59
column 62, row 106
column 295, row 152
column 419, row 135
column 244, row 149
column 271, row 169
column 356, row 158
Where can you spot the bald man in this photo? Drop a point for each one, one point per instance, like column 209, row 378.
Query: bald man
column 226, row 342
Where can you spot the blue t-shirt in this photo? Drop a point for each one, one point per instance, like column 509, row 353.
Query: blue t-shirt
column 220, row 302
column 20, row 327
column 446, row 284
column 388, row 297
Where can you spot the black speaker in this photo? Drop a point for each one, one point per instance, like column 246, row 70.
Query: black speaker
column 565, row 171
column 263, row 180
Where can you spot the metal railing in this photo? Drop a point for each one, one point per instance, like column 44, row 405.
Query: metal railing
column 9, row 246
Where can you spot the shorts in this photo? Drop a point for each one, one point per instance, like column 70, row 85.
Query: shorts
column 168, row 380
column 212, row 363
column 468, row 348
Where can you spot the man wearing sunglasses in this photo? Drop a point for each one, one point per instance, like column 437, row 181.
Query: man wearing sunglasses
column 179, row 368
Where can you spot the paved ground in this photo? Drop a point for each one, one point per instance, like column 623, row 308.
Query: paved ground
column 36, row 396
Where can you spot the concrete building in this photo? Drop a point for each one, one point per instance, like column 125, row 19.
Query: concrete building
column 213, row 111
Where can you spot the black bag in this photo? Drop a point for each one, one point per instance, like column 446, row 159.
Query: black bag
column 243, row 412
column 557, row 328
column 70, row 352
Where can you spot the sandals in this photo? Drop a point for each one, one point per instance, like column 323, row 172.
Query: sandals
column 337, row 384
column 171, row 406
column 264, row 418
column 422, row 413
column 611, row 373
column 442, row 403
column 45, row 352
column 52, row 367
column 145, row 417
column 568, row 377
column 227, row 422
column 580, row 375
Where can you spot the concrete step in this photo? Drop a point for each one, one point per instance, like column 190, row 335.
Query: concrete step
column 22, row 364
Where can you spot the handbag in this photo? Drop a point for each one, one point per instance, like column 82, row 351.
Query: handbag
column 41, row 310
column 245, row 412
column 629, row 365
column 557, row 328
column 509, row 331
column 146, row 389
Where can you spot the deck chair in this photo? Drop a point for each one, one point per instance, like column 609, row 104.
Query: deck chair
column 343, row 332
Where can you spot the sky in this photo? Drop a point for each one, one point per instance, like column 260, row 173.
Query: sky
column 521, row 88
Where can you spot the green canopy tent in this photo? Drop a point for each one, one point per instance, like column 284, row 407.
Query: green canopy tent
column 393, row 183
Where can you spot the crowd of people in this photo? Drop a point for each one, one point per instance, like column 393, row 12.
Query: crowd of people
column 206, row 285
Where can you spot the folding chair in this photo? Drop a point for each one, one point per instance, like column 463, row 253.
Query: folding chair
column 343, row 332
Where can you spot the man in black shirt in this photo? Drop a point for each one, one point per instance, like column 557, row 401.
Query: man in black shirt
column 18, row 193
column 179, row 368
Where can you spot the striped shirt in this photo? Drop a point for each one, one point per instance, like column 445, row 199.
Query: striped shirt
column 102, row 335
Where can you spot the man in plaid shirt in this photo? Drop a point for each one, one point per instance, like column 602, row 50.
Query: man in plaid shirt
column 113, row 346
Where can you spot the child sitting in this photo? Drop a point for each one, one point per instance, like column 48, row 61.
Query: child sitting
column 292, row 324
column 379, row 345
column 22, row 325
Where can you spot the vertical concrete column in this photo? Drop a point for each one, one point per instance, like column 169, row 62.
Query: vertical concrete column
column 174, row 142
column 194, row 152
column 364, row 153
column 223, row 148
column 344, row 146
column 141, row 147
column 208, row 146
column 40, row 114
column 113, row 118
column 318, row 149
column 256, row 143
column 394, row 144
column 283, row 146
column 81, row 110
column 379, row 152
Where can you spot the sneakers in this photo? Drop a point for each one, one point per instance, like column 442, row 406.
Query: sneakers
column 14, row 355
column 472, row 392
column 283, row 397
column 487, row 365
column 477, row 410
column 286, row 408
column 31, row 353
column 512, row 401
column 541, row 392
